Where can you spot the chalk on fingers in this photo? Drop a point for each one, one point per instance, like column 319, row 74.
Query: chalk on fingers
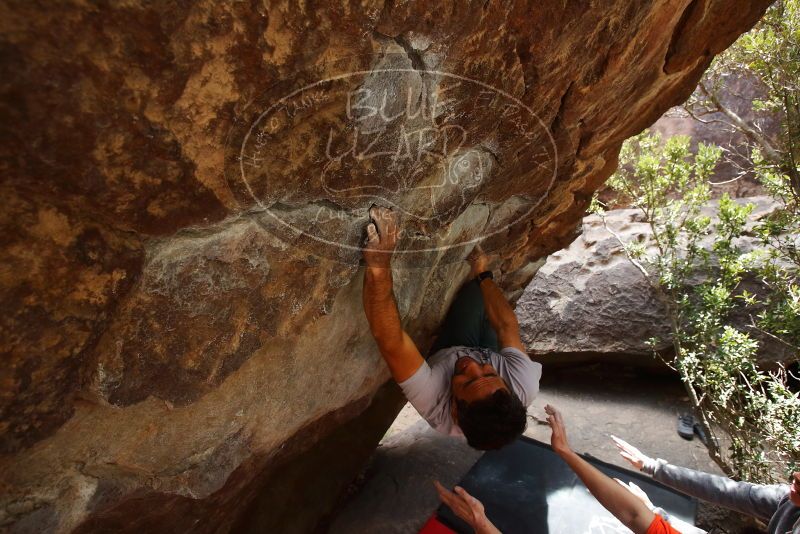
column 372, row 232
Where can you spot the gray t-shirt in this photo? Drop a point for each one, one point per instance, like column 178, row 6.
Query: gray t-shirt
column 428, row 389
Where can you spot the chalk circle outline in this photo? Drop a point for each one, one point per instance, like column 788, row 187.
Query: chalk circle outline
column 343, row 76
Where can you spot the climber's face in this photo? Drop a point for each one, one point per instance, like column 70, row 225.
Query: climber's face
column 474, row 381
column 794, row 489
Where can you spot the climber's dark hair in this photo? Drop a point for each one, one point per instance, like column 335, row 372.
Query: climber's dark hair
column 492, row 422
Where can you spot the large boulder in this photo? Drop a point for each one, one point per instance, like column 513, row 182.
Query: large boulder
column 588, row 298
column 590, row 301
column 185, row 189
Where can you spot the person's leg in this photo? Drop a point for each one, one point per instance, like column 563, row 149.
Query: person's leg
column 466, row 323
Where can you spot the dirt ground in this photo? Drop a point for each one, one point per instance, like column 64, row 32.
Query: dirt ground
column 395, row 493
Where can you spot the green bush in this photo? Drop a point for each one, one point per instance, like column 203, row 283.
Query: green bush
column 700, row 269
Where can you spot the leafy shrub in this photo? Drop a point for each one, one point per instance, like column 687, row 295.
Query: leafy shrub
column 724, row 299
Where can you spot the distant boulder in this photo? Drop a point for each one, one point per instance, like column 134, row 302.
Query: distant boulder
column 589, row 298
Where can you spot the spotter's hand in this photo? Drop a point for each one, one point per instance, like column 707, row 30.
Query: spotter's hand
column 631, row 453
column 381, row 237
column 558, row 439
column 467, row 508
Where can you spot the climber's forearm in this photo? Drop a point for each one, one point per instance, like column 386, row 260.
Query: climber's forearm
column 501, row 316
column 396, row 346
column 381, row 308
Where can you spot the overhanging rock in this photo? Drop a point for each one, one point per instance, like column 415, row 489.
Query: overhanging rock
column 185, row 187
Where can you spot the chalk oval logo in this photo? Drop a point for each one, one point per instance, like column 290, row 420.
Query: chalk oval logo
column 461, row 160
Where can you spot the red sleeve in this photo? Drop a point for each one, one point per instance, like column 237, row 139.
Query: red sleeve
column 659, row 526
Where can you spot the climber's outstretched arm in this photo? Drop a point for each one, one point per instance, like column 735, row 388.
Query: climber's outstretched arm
column 501, row 316
column 498, row 310
column 397, row 348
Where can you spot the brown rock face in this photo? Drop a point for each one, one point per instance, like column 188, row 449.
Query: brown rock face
column 185, row 188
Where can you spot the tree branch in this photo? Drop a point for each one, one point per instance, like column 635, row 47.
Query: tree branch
column 740, row 124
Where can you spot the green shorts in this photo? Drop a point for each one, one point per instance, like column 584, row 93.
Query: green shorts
column 466, row 322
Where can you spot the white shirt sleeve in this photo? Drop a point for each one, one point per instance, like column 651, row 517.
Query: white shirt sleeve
column 522, row 373
column 430, row 396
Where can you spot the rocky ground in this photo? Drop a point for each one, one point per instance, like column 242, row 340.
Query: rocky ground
column 395, row 495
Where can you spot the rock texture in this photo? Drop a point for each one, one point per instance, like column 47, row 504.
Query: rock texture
column 185, row 186
column 588, row 298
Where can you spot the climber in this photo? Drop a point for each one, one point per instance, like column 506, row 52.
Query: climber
column 775, row 504
column 477, row 380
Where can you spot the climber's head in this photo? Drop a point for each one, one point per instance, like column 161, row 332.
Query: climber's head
column 489, row 414
column 794, row 489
